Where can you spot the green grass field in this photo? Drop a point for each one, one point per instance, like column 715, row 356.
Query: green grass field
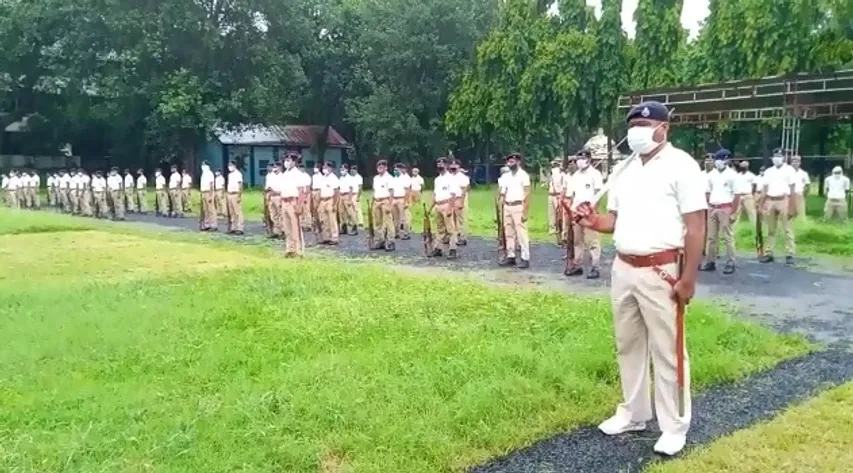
column 133, row 351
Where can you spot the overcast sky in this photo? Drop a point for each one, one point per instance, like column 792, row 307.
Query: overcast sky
column 692, row 15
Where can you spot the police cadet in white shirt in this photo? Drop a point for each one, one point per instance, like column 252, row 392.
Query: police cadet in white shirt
column 349, row 220
column 778, row 206
column 65, row 191
column 837, row 189
column 357, row 187
column 556, row 181
column 74, row 191
column 582, row 187
column 161, row 197
column 141, row 192
column 417, row 185
column 400, row 186
column 294, row 195
column 35, row 181
column 129, row 188
column 656, row 211
column 114, row 184
column 745, row 190
column 13, row 183
column 801, row 186
column 234, row 199
column 84, row 191
column 462, row 204
column 273, row 188
column 722, row 212
column 50, row 194
column 219, row 188
column 327, row 207
column 176, row 208
column 186, row 191
column 445, row 194
column 515, row 202
column 207, row 209
column 383, row 215
column 99, row 197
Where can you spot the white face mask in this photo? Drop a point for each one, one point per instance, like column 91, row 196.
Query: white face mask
column 720, row 164
column 583, row 163
column 778, row 161
column 205, row 168
column 641, row 139
column 326, row 172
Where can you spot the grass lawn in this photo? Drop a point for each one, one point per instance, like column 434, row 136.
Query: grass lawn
column 127, row 352
column 815, row 437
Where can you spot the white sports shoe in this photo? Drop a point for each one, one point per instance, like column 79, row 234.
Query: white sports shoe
column 670, row 444
column 618, row 425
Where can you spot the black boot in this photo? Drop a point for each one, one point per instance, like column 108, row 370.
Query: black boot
column 378, row 246
column 766, row 259
column 507, row 262
column 462, row 242
column 593, row 274
column 452, row 254
column 524, row 264
column 436, row 253
column 789, row 260
column 389, row 246
column 729, row 268
column 708, row 266
column 574, row 271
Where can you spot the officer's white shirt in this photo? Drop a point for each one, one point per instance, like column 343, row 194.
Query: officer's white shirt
column 399, row 185
column 159, row 182
column 291, row 182
column 514, row 184
column 15, row 183
column 83, row 181
column 99, row 184
column 358, row 180
column 114, row 183
column 65, row 181
column 584, row 184
column 304, row 179
column 446, row 187
column 382, row 185
column 273, row 181
column 462, row 180
column 74, row 182
column 175, row 180
column 4, row 182
column 744, row 182
column 801, row 180
column 721, row 186
column 49, row 182
column 650, row 201
column 556, row 184
column 837, row 187
column 141, row 182
column 128, row 181
column 417, row 183
column 345, row 182
column 315, row 181
column 219, row 182
column 206, row 181
column 777, row 182
column 235, row 181
column 186, row 181
column 35, row 181
column 328, row 185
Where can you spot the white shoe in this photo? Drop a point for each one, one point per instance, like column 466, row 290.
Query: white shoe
column 670, row 444
column 618, row 425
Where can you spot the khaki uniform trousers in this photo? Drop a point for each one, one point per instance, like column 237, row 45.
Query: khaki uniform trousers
column 445, row 225
column 402, row 219
column 274, row 209
column 416, row 197
column 185, row 200
column 50, row 196
column 835, row 207
column 720, row 224
column 746, row 206
column 305, row 217
column 359, row 211
column 74, row 201
column 348, row 211
column 117, row 203
column 327, row 213
column 384, row 220
column 128, row 200
column 293, row 239
column 208, row 210
column 554, row 212
column 67, row 200
column 12, row 199
column 462, row 219
column 775, row 212
column 101, row 208
column 515, row 230
column 161, row 206
column 799, row 206
column 85, row 203
column 220, row 203
column 141, row 198
column 35, row 197
column 644, row 322
column 586, row 239
column 176, row 208
column 234, row 201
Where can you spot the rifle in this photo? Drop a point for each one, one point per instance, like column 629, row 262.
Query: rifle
column 759, row 237
column 705, row 237
column 570, row 239
column 559, row 224
column 427, row 236
column 371, row 235
column 499, row 211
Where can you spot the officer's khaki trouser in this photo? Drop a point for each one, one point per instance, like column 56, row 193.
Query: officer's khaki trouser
column 208, row 210
column 515, row 231
column 50, row 196
column 118, row 204
column 553, row 212
column 176, row 208
column 274, row 209
column 719, row 223
column 67, row 200
column 348, row 211
column 12, row 199
column 416, row 197
column 128, row 199
column 776, row 211
column 384, row 220
column 85, row 203
column 234, row 201
column 185, row 200
column 401, row 223
column 327, row 214
column 101, row 208
column 799, row 206
column 220, row 203
column 293, row 238
column 359, row 212
column 36, row 198
column 305, row 218
column 445, row 226
column 586, row 239
column 644, row 323
column 161, row 206
column 74, row 200
column 462, row 219
column 835, row 207
column 141, row 198
column 746, row 206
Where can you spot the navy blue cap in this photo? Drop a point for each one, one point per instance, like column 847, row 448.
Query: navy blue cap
column 778, row 152
column 584, row 153
column 651, row 110
column 723, row 154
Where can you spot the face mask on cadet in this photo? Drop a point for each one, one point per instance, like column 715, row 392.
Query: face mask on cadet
column 641, row 139
column 719, row 164
column 326, row 171
column 778, row 160
column 582, row 163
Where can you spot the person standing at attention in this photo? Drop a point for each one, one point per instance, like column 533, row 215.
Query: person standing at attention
column 837, row 189
column 656, row 210
column 141, row 192
column 555, row 191
column 802, row 185
column 234, row 199
column 417, row 186
column 723, row 203
column 515, row 201
column 745, row 190
column 585, row 183
column 778, row 205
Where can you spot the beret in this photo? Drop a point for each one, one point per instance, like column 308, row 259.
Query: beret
column 651, row 110
column 723, row 154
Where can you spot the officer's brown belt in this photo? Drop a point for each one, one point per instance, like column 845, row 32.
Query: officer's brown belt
column 512, row 204
column 648, row 261
column 780, row 197
column 721, row 206
column 289, row 199
column 323, row 199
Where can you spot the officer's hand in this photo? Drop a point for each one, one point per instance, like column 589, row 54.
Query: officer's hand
column 683, row 291
column 524, row 218
column 732, row 216
column 584, row 215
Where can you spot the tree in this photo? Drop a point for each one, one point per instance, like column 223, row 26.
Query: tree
column 659, row 37
column 610, row 62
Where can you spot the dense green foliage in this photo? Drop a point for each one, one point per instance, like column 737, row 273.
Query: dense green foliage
column 145, row 81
